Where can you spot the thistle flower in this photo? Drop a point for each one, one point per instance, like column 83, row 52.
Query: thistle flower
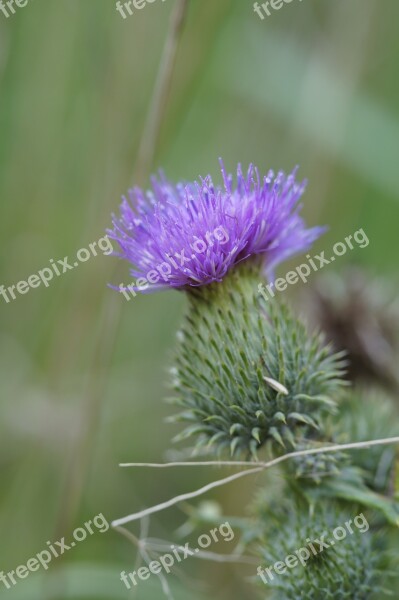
column 192, row 234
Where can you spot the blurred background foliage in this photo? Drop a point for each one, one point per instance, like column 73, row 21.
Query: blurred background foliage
column 83, row 370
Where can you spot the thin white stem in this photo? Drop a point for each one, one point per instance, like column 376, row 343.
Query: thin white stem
column 143, row 554
column 260, row 467
column 183, row 497
column 205, row 463
column 204, row 554
column 246, row 463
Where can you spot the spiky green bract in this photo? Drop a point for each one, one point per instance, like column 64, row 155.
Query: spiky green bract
column 370, row 416
column 247, row 372
column 347, row 569
column 363, row 416
column 314, row 468
column 364, row 477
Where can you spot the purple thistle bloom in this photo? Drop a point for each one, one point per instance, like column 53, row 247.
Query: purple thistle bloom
column 192, row 234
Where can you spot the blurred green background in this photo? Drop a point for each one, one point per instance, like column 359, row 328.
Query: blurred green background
column 82, row 370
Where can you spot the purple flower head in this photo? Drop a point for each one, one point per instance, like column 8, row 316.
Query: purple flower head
column 192, row 234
